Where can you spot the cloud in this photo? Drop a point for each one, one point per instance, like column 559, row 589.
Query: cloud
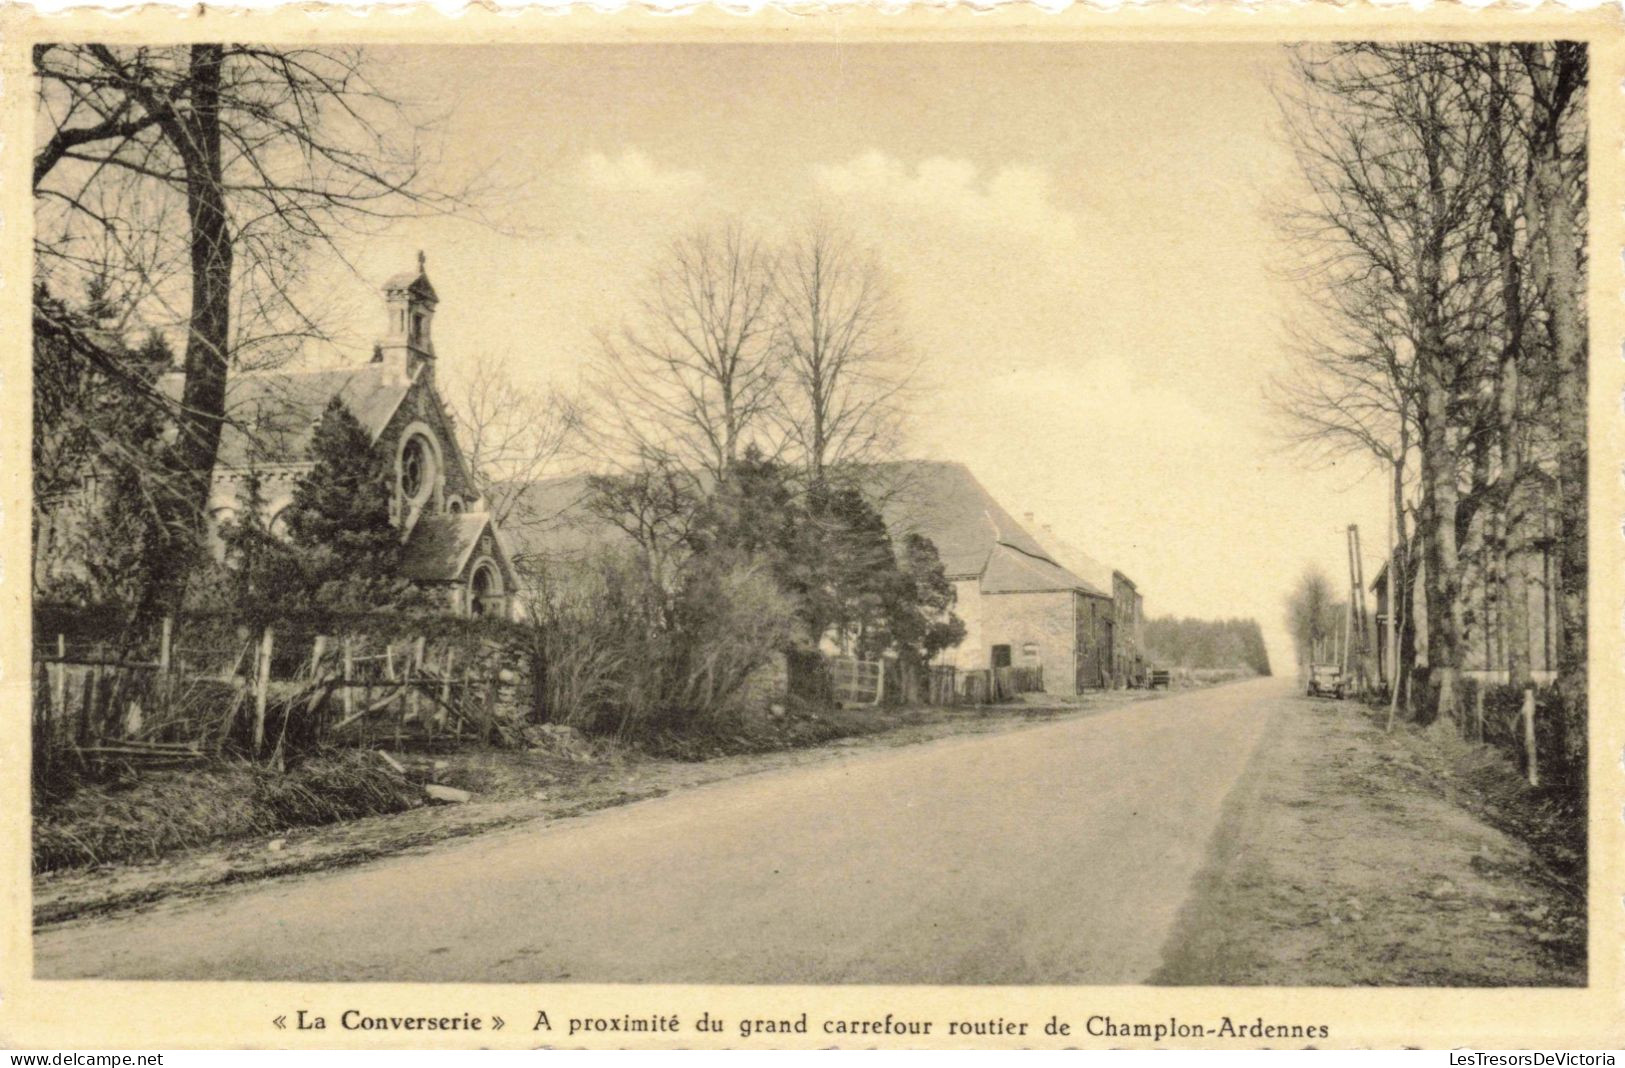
column 632, row 172
column 1015, row 199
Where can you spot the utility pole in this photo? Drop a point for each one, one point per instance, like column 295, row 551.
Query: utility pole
column 1393, row 620
column 1358, row 619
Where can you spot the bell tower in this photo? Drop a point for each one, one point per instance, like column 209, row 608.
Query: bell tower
column 408, row 343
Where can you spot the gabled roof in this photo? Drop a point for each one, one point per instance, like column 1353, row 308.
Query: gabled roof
column 945, row 502
column 1013, row 571
column 439, row 546
column 272, row 414
column 1077, row 561
column 549, row 521
column 973, row 533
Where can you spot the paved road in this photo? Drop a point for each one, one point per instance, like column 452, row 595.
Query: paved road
column 1057, row 854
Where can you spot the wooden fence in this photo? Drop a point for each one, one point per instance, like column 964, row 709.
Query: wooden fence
column 943, row 685
column 93, row 706
column 993, row 685
column 857, row 682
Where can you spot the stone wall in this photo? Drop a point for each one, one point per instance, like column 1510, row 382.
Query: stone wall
column 1039, row 628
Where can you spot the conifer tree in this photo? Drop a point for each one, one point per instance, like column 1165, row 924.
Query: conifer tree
column 340, row 520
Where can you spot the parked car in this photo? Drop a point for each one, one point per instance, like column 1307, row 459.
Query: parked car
column 1326, row 680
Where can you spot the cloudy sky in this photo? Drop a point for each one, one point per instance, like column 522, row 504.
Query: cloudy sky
column 1080, row 235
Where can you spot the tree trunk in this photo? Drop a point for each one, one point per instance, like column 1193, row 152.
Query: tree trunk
column 1508, row 581
column 1400, row 569
column 1439, row 543
column 1568, row 337
column 1407, row 625
column 1558, row 76
column 203, row 397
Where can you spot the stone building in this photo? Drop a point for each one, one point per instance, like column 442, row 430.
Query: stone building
column 1020, row 605
column 451, row 542
column 1128, row 645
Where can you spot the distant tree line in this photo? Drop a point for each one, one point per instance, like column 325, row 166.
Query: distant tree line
column 1207, row 644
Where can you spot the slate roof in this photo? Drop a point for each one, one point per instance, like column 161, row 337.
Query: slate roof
column 1077, row 561
column 439, row 546
column 273, row 413
column 973, row 533
column 549, row 521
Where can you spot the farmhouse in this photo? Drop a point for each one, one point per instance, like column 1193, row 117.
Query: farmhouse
column 452, row 544
column 1129, row 663
column 1020, row 605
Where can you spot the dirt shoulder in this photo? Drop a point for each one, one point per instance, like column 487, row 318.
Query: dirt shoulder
column 506, row 788
column 1352, row 857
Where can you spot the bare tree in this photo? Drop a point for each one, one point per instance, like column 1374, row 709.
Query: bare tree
column 512, row 435
column 845, row 366
column 692, row 379
column 1557, row 73
column 1449, row 200
column 1388, row 143
column 1312, row 613
column 263, row 152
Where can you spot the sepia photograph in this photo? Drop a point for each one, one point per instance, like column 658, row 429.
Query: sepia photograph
column 889, row 513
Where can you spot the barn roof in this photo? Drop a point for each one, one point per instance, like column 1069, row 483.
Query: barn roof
column 973, row 533
column 946, row 503
column 1013, row 571
column 439, row 546
column 549, row 520
column 273, row 414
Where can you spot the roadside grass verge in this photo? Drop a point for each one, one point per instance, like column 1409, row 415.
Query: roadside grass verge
column 146, row 816
column 799, row 725
column 1485, row 781
column 161, row 814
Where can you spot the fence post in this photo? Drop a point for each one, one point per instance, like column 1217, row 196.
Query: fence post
column 1529, row 734
column 445, row 689
column 316, row 650
column 93, row 707
column 162, row 691
column 262, row 686
column 349, row 673
column 59, row 681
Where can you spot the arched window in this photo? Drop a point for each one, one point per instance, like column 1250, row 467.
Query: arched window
column 485, row 591
column 454, row 504
column 417, row 469
column 279, row 526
